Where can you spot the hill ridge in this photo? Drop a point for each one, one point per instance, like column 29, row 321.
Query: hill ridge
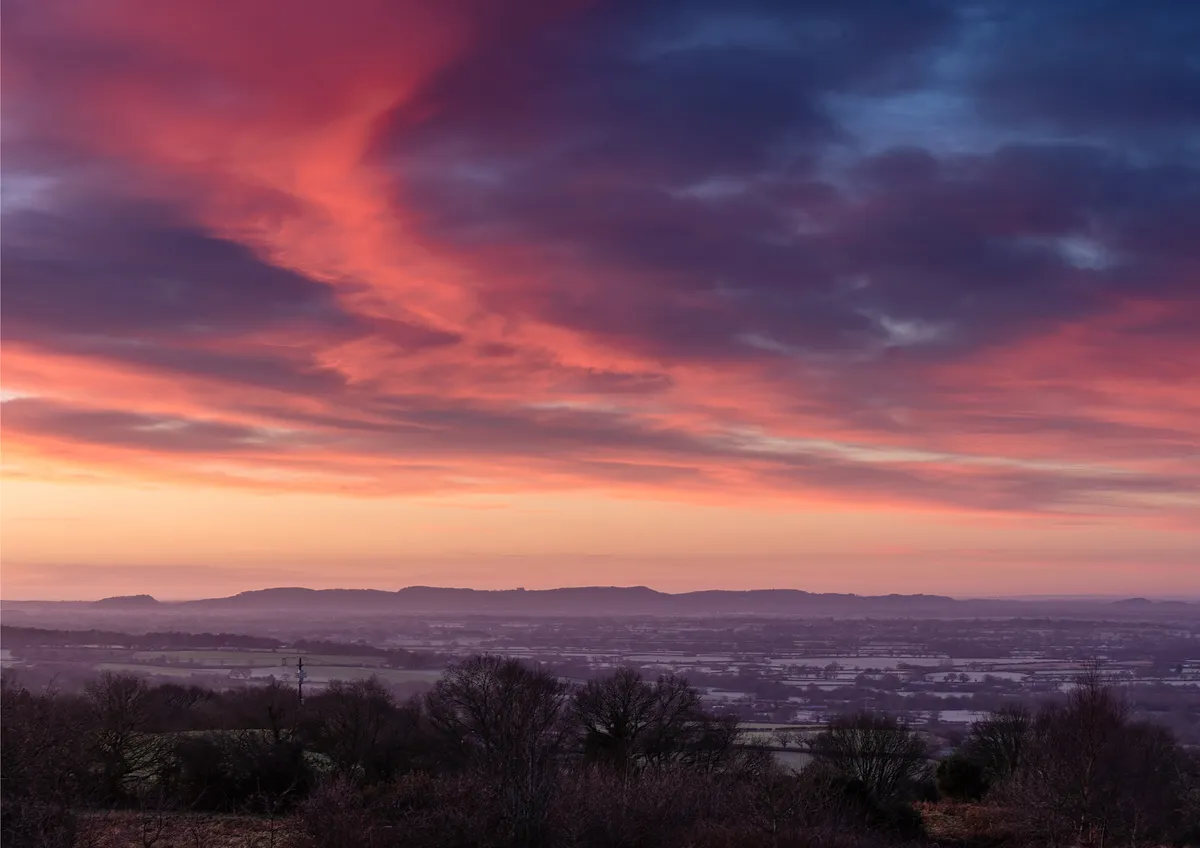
column 626, row 600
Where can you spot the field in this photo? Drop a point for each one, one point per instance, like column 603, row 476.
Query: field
column 951, row 822
column 242, row 659
column 154, row 670
column 259, row 665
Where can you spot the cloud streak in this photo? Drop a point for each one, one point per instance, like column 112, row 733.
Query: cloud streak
column 663, row 250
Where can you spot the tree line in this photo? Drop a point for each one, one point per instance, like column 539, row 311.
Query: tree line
column 24, row 641
column 16, row 637
column 503, row 753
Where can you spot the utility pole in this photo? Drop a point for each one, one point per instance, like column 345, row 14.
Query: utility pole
column 301, row 674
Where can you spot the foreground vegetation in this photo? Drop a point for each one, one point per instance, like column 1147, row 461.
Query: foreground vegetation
column 504, row 754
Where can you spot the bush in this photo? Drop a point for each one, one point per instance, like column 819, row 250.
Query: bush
column 31, row 824
column 899, row 821
column 415, row 811
column 235, row 771
column 960, row 778
column 333, row 816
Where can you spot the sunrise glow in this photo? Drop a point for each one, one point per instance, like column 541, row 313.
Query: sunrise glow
column 869, row 298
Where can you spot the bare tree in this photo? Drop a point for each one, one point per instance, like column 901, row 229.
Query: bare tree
column 613, row 714
column 173, row 706
column 40, row 767
column 784, row 737
column 499, row 712
column 675, row 718
column 626, row 721
column 1091, row 776
column 274, row 707
column 508, row 721
column 356, row 723
column 118, row 707
column 884, row 755
column 997, row 743
column 716, row 745
column 775, row 804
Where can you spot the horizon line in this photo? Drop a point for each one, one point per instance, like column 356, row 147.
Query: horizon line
column 1036, row 597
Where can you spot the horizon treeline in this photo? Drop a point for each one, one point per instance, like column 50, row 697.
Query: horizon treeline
column 502, row 754
column 18, row 638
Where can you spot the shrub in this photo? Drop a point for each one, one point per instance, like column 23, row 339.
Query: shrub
column 27, row 823
column 960, row 778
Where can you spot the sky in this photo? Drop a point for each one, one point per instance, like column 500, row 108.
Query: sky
column 843, row 296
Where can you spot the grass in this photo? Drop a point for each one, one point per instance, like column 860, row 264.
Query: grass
column 953, row 823
column 121, row 829
column 950, row 824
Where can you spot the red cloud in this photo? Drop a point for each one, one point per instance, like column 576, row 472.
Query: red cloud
column 364, row 246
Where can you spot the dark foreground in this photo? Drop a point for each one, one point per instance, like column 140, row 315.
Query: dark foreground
column 503, row 754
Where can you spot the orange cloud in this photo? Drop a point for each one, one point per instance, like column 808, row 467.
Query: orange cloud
column 402, row 249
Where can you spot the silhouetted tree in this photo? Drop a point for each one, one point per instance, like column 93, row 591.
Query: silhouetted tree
column 509, row 721
column 118, row 713
column 273, row 707
column 174, row 708
column 234, row 771
column 492, row 759
column 362, row 729
column 613, row 714
column 500, row 713
column 997, row 743
column 40, row 766
column 885, row 756
column 1092, row 776
column 675, row 716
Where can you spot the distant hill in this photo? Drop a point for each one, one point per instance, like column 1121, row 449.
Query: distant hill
column 621, row 600
column 135, row 601
column 1144, row 603
column 636, row 600
column 587, row 600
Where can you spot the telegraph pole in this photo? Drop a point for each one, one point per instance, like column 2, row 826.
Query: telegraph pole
column 301, row 674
